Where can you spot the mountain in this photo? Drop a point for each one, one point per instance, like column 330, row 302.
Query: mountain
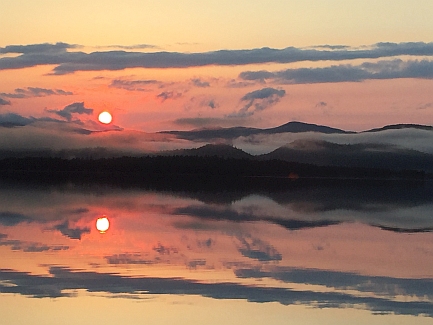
column 290, row 127
column 235, row 132
column 324, row 153
column 402, row 126
column 220, row 150
column 365, row 155
column 297, row 127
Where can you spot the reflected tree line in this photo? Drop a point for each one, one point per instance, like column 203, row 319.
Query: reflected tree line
column 190, row 170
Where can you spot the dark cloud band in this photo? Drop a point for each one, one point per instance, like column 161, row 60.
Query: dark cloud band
column 394, row 69
column 61, row 280
column 35, row 92
column 69, row 62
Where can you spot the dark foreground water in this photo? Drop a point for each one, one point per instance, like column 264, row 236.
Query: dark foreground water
column 313, row 253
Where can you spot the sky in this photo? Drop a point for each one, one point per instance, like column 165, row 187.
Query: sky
column 171, row 65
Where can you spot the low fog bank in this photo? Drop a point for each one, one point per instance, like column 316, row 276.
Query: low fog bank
column 402, row 148
column 415, row 139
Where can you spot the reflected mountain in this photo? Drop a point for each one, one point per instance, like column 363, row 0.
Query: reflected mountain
column 399, row 206
column 213, row 213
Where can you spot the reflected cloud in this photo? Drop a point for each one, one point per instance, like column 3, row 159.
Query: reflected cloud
column 127, row 259
column 102, row 224
column 255, row 248
column 73, row 233
column 196, row 263
column 164, row 250
column 62, row 280
column 29, row 247
column 380, row 285
column 12, row 219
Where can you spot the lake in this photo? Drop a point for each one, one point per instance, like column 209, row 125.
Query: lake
column 309, row 252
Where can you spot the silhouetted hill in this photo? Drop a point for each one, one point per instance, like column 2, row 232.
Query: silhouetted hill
column 297, row 127
column 402, row 126
column 323, row 153
column 235, row 132
column 219, row 150
column 290, row 127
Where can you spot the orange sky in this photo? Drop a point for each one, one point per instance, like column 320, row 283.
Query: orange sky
column 190, row 84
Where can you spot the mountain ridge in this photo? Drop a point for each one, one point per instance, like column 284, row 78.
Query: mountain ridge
column 207, row 134
column 324, row 153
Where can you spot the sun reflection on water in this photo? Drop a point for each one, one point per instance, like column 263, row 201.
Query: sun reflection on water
column 102, row 224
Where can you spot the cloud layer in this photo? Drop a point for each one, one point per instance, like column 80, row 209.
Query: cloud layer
column 75, row 108
column 35, row 92
column 4, row 102
column 395, row 69
column 68, row 62
column 62, row 280
column 259, row 100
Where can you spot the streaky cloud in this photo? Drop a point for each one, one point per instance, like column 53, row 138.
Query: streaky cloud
column 74, row 108
column 380, row 285
column 35, row 92
column 37, row 48
column 200, row 83
column 13, row 120
column 394, row 69
column 10, row 219
column 169, row 95
column 4, row 102
column 130, row 47
column 260, row 100
column 256, row 249
column 62, row 279
column 132, row 85
column 264, row 93
column 72, row 233
column 70, row 62
column 31, row 247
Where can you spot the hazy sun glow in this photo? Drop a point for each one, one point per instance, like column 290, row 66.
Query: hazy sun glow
column 105, row 117
column 102, row 224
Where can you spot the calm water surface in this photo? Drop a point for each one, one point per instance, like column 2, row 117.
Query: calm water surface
column 313, row 254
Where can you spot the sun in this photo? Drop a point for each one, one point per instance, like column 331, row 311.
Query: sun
column 102, row 224
column 105, row 117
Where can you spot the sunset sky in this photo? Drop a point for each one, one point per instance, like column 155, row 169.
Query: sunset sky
column 329, row 253
column 171, row 65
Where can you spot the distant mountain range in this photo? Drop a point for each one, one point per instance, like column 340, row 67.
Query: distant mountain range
column 365, row 155
column 306, row 151
column 219, row 150
column 290, row 127
column 323, row 153
column 402, row 126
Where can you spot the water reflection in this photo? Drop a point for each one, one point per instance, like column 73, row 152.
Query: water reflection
column 102, row 224
column 347, row 247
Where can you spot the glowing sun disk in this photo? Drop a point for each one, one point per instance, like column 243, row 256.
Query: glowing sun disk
column 105, row 117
